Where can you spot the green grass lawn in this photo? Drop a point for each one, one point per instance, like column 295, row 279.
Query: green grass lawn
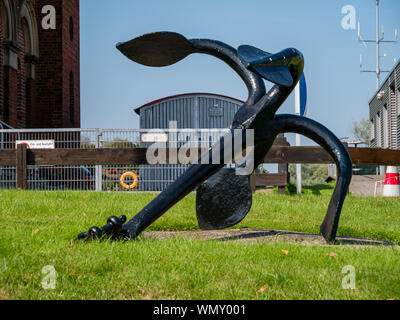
column 39, row 229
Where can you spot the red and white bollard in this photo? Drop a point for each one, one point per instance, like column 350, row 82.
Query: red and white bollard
column 392, row 183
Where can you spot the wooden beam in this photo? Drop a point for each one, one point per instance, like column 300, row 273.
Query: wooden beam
column 271, row 179
column 84, row 157
column 359, row 156
column 297, row 155
column 284, row 154
column 8, row 157
column 369, row 156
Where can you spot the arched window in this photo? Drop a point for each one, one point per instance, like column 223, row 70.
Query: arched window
column 28, row 74
column 386, row 126
column 4, row 20
column 30, row 54
column 372, row 129
column 378, row 133
column 27, row 37
column 71, row 98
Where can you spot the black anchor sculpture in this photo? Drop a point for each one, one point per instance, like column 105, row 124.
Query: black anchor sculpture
column 224, row 198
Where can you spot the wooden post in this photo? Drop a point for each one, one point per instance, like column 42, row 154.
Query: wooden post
column 253, row 182
column 21, row 164
column 283, row 168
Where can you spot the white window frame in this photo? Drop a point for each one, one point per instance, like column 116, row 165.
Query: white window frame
column 398, row 101
column 378, row 130
column 385, row 128
column 372, row 129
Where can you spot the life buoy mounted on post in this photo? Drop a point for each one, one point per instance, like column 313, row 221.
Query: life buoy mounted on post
column 133, row 176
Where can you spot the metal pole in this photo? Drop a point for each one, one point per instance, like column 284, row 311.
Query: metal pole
column 298, row 167
column 378, row 40
column 3, row 125
column 298, row 139
column 378, row 67
column 98, row 169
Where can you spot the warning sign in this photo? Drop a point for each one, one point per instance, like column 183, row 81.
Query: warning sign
column 37, row 144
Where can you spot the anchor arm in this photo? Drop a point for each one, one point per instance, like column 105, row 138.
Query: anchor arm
column 327, row 140
column 230, row 56
column 161, row 49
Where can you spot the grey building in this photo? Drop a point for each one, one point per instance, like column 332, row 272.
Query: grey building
column 384, row 109
column 190, row 111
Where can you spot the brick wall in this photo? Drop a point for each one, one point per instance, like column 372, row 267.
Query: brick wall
column 1, row 71
column 44, row 101
column 49, row 85
column 10, row 95
column 71, row 54
column 21, row 97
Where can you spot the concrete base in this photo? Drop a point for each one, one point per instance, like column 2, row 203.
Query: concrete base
column 263, row 235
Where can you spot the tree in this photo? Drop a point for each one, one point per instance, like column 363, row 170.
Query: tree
column 121, row 143
column 361, row 131
column 311, row 174
column 86, row 143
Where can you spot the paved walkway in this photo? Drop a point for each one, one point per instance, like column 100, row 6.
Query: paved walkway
column 364, row 186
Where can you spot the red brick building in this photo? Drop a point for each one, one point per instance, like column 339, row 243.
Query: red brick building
column 39, row 63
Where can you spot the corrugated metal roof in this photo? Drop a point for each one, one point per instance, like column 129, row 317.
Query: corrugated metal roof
column 185, row 95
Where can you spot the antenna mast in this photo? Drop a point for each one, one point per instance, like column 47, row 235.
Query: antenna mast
column 378, row 40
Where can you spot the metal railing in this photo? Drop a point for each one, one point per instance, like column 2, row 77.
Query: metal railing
column 97, row 177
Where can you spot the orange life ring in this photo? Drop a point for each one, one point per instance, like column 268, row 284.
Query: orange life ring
column 133, row 176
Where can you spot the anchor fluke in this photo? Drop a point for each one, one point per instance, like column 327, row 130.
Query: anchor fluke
column 158, row 49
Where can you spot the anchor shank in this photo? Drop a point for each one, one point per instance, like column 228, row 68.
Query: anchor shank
column 185, row 184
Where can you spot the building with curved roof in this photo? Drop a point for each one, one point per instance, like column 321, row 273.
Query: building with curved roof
column 188, row 111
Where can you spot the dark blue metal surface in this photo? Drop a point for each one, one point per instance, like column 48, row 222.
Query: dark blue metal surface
column 258, row 113
column 303, row 95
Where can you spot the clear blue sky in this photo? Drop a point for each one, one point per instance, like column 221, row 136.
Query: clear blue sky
column 112, row 86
